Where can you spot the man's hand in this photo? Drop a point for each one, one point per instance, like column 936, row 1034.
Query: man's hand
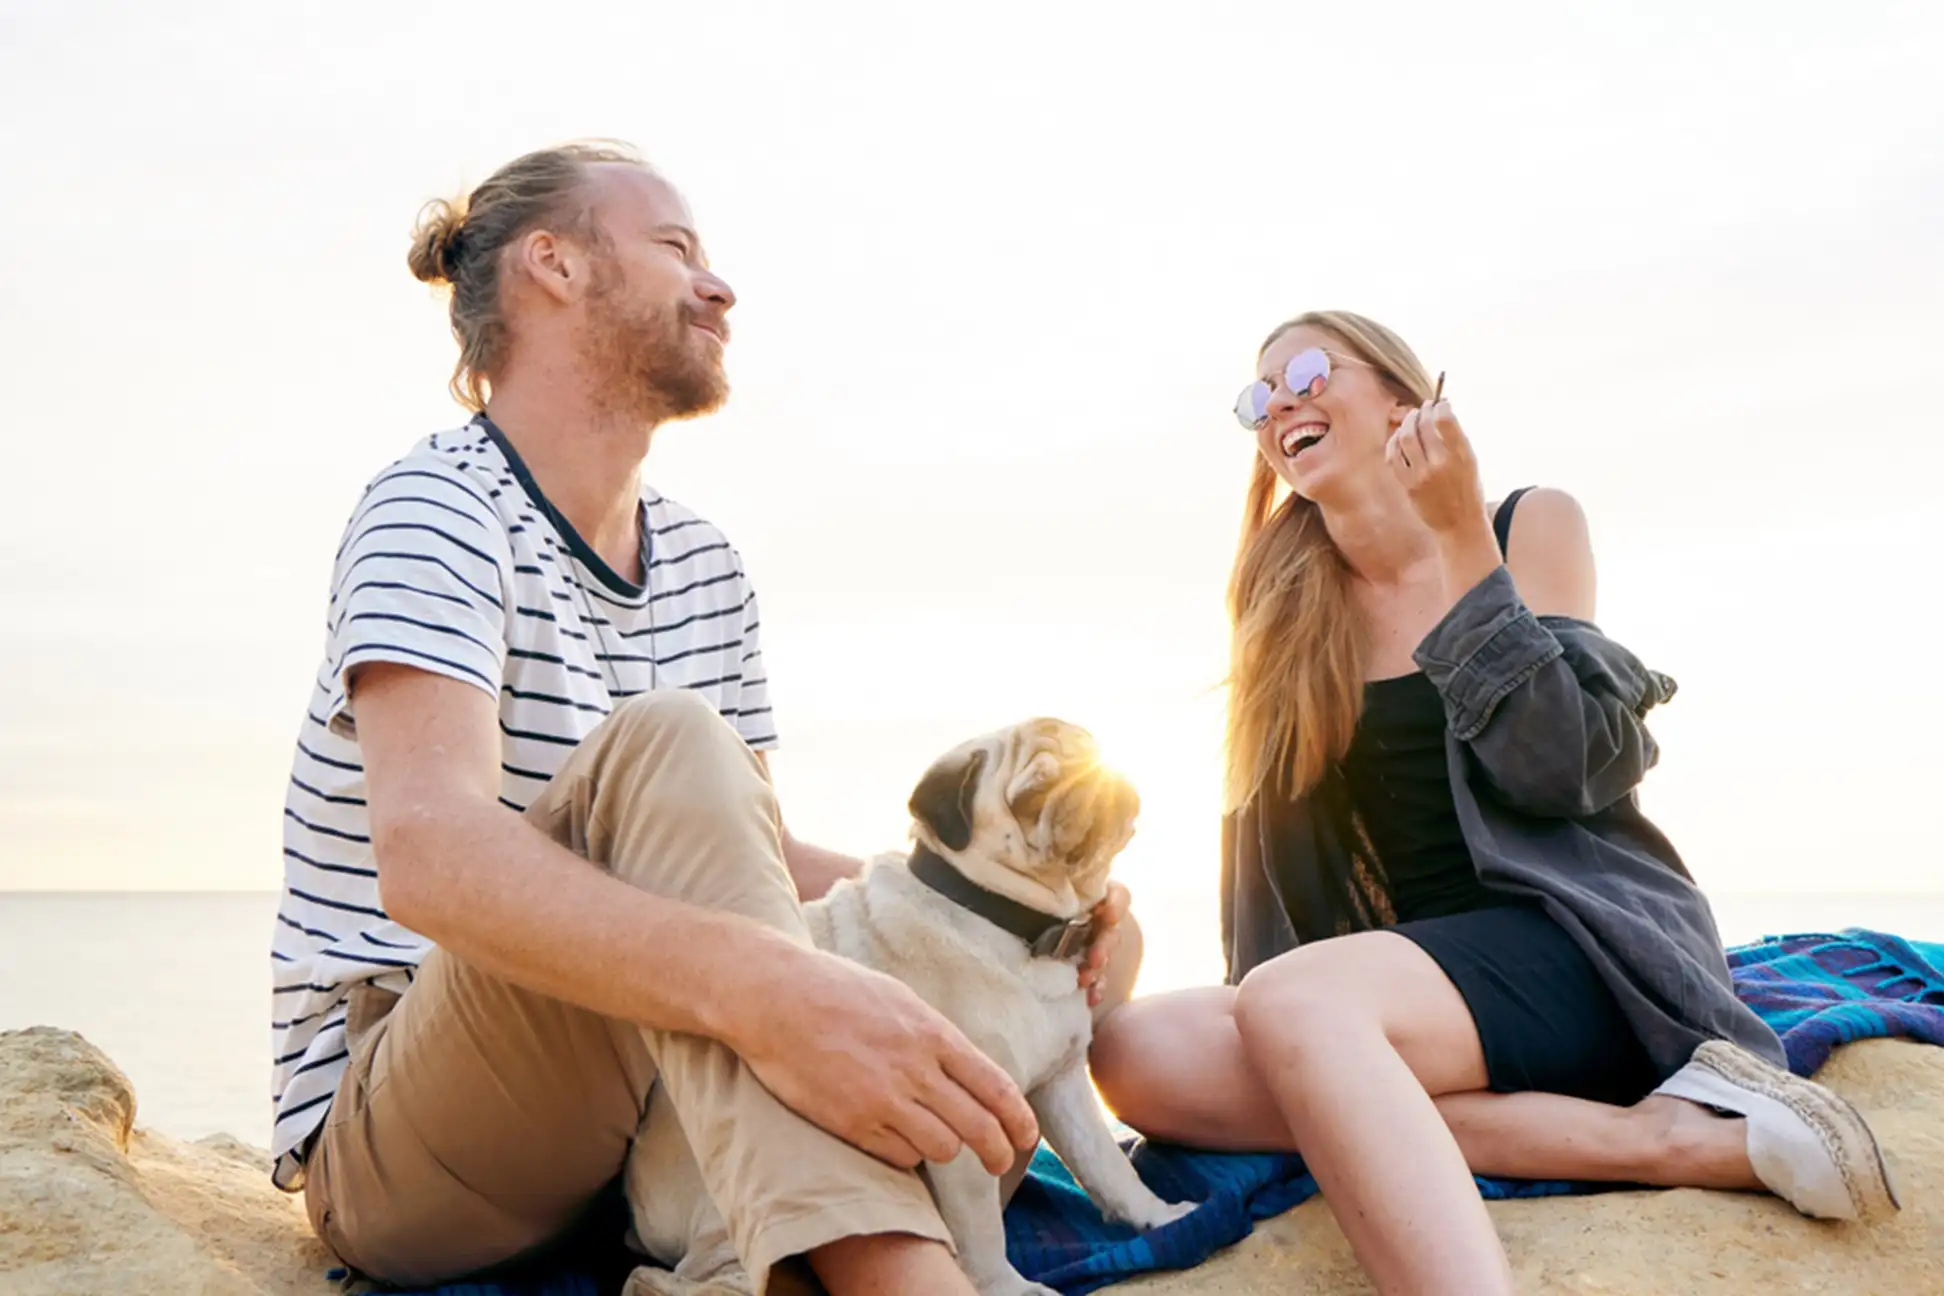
column 1106, row 939
column 861, row 1055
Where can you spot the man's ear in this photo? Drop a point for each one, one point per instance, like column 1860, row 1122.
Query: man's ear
column 942, row 800
column 550, row 263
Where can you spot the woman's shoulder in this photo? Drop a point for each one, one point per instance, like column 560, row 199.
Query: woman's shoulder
column 1549, row 552
column 1543, row 514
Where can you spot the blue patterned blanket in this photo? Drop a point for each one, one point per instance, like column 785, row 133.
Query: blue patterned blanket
column 1817, row 991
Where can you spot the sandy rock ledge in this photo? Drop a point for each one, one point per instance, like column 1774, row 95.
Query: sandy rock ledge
column 90, row 1205
column 1684, row 1242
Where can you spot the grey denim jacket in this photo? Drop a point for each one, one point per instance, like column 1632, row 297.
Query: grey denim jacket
column 1546, row 744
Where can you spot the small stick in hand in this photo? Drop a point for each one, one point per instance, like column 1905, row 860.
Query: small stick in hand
column 1438, row 395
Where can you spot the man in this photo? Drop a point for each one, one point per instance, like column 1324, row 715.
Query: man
column 535, row 664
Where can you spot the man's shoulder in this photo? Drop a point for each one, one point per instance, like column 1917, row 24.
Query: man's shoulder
column 462, row 455
column 683, row 535
column 456, row 471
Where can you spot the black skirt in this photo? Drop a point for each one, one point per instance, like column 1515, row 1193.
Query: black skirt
column 1545, row 1018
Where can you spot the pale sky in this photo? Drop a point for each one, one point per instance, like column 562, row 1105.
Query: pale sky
column 1002, row 270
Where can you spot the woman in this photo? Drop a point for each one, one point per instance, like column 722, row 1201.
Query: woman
column 1454, row 942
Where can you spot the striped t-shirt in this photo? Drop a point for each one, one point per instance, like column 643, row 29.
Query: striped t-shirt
column 455, row 562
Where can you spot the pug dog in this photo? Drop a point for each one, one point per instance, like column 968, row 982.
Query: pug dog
column 986, row 918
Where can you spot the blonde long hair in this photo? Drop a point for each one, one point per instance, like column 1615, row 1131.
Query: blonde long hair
column 1298, row 647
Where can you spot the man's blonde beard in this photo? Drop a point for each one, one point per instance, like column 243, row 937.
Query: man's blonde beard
column 650, row 366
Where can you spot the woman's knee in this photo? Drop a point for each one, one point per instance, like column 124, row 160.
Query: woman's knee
column 1312, row 988
column 1134, row 1049
column 1137, row 1054
column 1121, row 1042
column 1375, row 986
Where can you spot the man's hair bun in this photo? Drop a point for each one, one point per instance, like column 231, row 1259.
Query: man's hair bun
column 435, row 239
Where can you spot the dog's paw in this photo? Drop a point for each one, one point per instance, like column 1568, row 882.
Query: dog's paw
column 1007, row 1281
column 1163, row 1213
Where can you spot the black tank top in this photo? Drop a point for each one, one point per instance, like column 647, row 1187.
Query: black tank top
column 1400, row 784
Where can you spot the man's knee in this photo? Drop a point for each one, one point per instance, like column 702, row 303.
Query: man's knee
column 669, row 714
column 671, row 746
column 676, row 803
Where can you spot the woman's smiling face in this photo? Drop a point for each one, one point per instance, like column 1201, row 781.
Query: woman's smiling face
column 1314, row 437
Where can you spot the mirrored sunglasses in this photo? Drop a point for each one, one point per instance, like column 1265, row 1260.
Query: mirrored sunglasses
column 1306, row 374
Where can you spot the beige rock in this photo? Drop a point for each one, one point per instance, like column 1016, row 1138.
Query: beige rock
column 89, row 1206
column 1684, row 1242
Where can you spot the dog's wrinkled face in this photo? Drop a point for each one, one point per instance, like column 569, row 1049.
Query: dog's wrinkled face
column 1029, row 812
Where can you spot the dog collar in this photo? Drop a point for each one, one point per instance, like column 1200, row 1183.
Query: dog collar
column 1045, row 935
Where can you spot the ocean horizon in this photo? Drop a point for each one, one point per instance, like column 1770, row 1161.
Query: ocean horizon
column 174, row 985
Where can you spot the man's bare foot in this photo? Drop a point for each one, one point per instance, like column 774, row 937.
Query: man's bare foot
column 889, row 1264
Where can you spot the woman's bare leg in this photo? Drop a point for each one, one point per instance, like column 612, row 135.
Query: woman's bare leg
column 1666, row 1142
column 1172, row 1066
column 1351, row 1037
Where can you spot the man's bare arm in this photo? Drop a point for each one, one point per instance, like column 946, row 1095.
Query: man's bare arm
column 854, row 1051
column 460, row 868
column 816, row 869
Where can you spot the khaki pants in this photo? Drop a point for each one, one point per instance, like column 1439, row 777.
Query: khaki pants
column 478, row 1120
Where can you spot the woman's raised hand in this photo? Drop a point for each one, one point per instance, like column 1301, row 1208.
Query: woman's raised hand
column 1433, row 460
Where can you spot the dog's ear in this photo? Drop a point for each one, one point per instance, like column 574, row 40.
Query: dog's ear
column 943, row 799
